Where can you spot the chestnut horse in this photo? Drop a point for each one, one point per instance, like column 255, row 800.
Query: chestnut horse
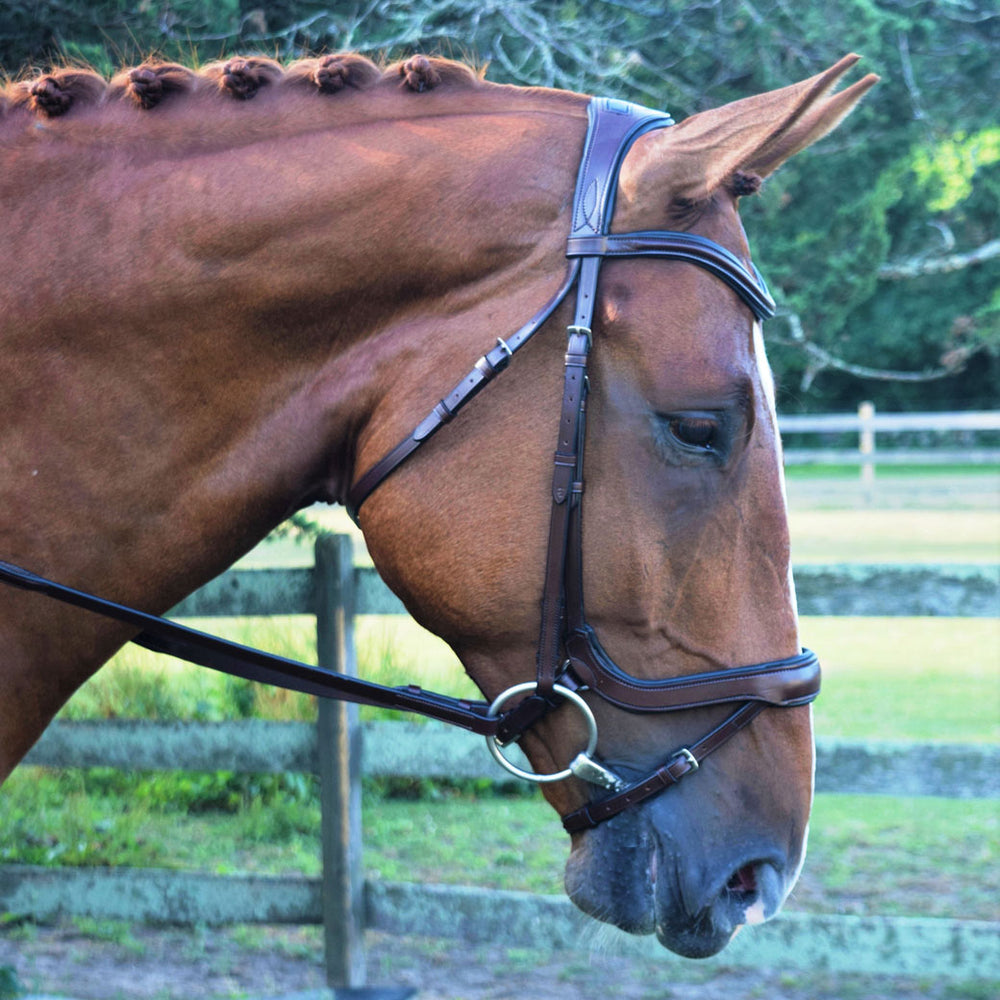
column 215, row 311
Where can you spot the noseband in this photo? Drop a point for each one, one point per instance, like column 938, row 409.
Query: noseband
column 570, row 658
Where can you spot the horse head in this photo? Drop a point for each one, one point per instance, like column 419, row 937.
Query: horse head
column 685, row 549
column 315, row 252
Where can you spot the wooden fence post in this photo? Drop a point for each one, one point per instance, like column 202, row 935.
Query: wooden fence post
column 338, row 745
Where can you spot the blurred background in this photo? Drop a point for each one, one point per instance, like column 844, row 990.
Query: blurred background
column 882, row 247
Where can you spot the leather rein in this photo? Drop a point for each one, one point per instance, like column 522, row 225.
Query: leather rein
column 570, row 658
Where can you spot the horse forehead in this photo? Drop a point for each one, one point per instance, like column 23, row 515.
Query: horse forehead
column 677, row 313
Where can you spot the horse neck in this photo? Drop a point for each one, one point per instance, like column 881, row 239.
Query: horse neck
column 215, row 330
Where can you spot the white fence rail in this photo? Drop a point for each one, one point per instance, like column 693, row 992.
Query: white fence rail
column 868, row 424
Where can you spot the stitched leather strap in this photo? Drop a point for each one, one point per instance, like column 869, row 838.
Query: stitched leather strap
column 565, row 498
column 781, row 683
column 689, row 247
column 483, row 372
column 681, row 764
column 613, row 126
column 163, row 636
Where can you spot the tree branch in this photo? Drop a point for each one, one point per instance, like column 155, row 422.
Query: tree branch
column 916, row 267
column 909, row 78
column 818, row 359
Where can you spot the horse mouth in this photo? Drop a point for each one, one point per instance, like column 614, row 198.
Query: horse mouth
column 748, row 897
column 654, row 889
column 705, row 928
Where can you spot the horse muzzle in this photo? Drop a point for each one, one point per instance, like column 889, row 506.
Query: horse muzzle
column 657, row 870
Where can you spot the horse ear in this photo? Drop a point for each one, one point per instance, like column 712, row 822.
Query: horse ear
column 755, row 135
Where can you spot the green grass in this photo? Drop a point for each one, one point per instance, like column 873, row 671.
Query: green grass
column 139, row 684
column 136, row 683
column 907, row 678
column 922, row 857
column 814, row 472
column 895, row 536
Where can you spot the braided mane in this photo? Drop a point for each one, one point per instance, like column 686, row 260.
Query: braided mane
column 153, row 83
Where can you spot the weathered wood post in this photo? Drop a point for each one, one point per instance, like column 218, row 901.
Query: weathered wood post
column 338, row 744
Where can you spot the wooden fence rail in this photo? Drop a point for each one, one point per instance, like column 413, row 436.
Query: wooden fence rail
column 337, row 749
column 863, row 589
column 434, row 750
column 885, row 423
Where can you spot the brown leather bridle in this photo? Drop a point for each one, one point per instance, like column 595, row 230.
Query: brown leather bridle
column 570, row 658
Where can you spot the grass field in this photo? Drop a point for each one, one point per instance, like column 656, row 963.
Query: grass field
column 895, row 536
column 907, row 679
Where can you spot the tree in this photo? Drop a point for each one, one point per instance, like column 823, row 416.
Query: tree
column 882, row 243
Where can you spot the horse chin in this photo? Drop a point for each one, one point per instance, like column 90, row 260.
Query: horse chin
column 642, row 880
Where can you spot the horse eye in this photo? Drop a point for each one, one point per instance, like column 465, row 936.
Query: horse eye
column 695, row 432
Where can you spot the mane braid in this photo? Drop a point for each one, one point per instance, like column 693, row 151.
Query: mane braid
column 241, row 77
column 331, row 74
column 53, row 94
column 421, row 73
column 151, row 83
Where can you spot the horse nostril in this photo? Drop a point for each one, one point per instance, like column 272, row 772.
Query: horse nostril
column 744, row 880
column 754, row 893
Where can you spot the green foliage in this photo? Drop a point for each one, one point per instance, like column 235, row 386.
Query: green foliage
column 10, row 987
column 912, row 177
column 398, row 788
column 117, row 932
column 951, row 166
column 197, row 791
column 111, row 33
column 100, row 816
column 56, row 822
